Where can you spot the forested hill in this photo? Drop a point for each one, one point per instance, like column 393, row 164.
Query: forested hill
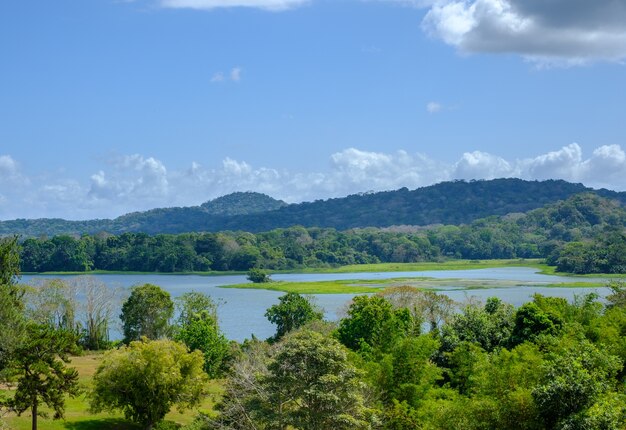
column 455, row 202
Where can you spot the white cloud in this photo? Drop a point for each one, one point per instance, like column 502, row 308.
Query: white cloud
column 9, row 169
column 136, row 182
column 235, row 74
column 556, row 32
column 271, row 5
column 433, row 107
column 481, row 165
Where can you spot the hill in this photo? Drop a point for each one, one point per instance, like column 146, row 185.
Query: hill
column 456, row 202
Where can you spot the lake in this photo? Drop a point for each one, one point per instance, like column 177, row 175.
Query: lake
column 241, row 311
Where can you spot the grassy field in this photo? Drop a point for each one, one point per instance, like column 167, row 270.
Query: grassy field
column 78, row 417
column 372, row 286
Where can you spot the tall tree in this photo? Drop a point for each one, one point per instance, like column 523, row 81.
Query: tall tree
column 372, row 323
column 292, row 312
column 43, row 377
column 147, row 312
column 313, row 386
column 95, row 311
column 198, row 329
column 11, row 305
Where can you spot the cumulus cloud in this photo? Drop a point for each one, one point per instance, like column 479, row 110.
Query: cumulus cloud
column 482, row 165
column 134, row 177
column 9, row 169
column 562, row 32
column 272, row 5
column 136, row 182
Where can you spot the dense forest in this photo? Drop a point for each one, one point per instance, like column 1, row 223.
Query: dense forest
column 450, row 203
column 583, row 234
column 403, row 359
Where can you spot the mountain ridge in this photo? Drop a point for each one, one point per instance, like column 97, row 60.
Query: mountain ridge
column 454, row 202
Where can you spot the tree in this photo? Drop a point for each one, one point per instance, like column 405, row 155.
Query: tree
column 147, row 312
column 43, row 376
column 313, row 386
column 192, row 303
column 202, row 333
column 373, row 323
column 292, row 312
column 11, row 305
column 241, row 405
column 198, row 329
column 258, row 276
column 425, row 306
column 573, row 381
column 146, row 378
column 53, row 302
column 531, row 321
column 489, row 326
column 96, row 311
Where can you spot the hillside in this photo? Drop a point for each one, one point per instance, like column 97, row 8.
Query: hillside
column 457, row 202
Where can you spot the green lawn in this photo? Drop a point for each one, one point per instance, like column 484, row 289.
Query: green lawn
column 78, row 417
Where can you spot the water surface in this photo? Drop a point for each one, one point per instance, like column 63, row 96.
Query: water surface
column 241, row 311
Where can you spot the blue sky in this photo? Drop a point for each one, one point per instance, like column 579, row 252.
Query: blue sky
column 111, row 106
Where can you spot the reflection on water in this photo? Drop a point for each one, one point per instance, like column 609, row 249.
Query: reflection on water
column 241, row 311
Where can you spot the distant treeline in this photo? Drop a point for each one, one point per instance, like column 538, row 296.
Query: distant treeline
column 584, row 234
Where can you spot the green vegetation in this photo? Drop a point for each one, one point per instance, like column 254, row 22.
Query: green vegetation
column 584, row 234
column 39, row 364
column 146, row 379
column 455, row 203
column 360, row 286
column 147, row 313
column 292, row 312
column 258, row 276
column 198, row 329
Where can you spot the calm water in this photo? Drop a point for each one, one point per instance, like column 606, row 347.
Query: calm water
column 241, row 311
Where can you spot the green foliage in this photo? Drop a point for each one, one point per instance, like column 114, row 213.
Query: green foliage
column 193, row 303
column 424, row 305
column 574, row 380
column 147, row 312
column 617, row 298
column 11, row 305
column 456, row 202
column 489, row 326
column 39, row 363
column 202, row 333
column 147, row 378
column 258, row 276
column 311, row 385
column 9, row 260
column 373, row 323
column 583, row 234
column 531, row 321
column 291, row 313
column 239, row 203
column 408, row 372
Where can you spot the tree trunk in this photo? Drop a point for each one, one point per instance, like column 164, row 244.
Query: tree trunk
column 34, row 412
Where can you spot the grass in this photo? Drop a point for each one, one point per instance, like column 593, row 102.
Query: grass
column 358, row 286
column 78, row 417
